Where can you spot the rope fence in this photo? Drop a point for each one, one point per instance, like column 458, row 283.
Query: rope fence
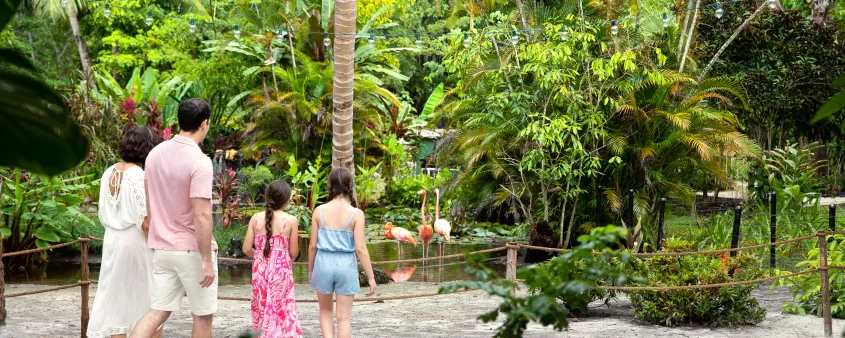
column 511, row 248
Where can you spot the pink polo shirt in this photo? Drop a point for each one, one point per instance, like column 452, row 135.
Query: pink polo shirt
column 176, row 171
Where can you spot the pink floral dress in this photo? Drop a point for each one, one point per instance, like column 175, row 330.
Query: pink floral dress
column 273, row 305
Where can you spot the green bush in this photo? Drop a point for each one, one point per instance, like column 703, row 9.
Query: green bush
column 722, row 306
column 806, row 289
column 572, row 277
column 254, row 181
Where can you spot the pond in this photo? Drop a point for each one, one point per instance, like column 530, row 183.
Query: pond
column 65, row 270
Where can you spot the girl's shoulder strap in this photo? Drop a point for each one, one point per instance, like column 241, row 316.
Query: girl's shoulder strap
column 351, row 218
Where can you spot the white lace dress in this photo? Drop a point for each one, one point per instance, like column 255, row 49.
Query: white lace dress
column 124, row 289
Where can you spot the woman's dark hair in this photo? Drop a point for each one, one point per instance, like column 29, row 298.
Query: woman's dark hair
column 192, row 113
column 341, row 183
column 137, row 143
column 277, row 196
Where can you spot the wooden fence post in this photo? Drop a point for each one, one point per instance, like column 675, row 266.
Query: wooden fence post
column 773, row 228
column 510, row 272
column 828, row 321
column 661, row 215
column 735, row 234
column 83, row 267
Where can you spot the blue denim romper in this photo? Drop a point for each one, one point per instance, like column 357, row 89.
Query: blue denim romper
column 336, row 265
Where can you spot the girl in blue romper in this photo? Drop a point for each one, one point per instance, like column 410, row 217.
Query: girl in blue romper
column 337, row 243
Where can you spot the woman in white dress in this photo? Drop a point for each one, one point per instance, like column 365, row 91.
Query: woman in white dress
column 124, row 289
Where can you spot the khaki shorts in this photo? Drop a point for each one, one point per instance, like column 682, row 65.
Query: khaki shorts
column 178, row 272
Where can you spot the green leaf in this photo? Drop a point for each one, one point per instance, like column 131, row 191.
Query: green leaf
column 366, row 29
column 46, row 234
column 839, row 82
column 433, row 101
column 41, row 244
column 5, row 232
column 327, row 9
column 37, row 130
column 835, row 104
column 251, row 70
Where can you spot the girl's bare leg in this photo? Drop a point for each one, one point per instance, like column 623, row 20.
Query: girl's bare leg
column 326, row 320
column 344, row 316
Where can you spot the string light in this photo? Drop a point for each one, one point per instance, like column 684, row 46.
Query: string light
column 773, row 4
column 372, row 41
column 514, row 38
column 193, row 26
column 326, row 41
column 281, row 36
column 64, row 3
column 564, row 34
column 149, row 20
column 179, row 9
column 237, row 32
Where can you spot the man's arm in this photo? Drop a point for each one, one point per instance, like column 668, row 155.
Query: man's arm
column 201, row 181
column 202, row 224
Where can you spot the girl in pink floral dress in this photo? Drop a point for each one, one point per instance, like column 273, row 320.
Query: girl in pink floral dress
column 274, row 234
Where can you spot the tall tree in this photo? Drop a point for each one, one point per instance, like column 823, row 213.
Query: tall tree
column 344, row 75
column 53, row 9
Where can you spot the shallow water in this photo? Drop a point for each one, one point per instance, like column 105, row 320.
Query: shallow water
column 65, row 270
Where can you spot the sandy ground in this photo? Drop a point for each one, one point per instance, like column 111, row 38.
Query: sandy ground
column 57, row 315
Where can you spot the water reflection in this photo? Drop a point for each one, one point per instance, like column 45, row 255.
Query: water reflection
column 66, row 271
column 402, row 274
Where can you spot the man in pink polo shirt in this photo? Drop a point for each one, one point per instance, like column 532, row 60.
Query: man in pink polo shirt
column 178, row 179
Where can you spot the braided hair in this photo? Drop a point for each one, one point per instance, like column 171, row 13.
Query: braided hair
column 277, row 196
column 341, row 183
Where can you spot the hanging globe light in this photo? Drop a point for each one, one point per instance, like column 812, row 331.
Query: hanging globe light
column 281, row 36
column 372, row 41
column 193, row 26
column 773, row 4
column 564, row 34
column 514, row 38
column 149, row 20
column 326, row 41
column 418, row 43
column 179, row 9
column 237, row 32
column 107, row 12
column 64, row 3
column 466, row 40
column 666, row 21
column 614, row 28
column 719, row 11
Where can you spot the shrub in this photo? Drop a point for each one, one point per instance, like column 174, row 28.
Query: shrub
column 722, row 306
column 806, row 289
column 561, row 278
column 254, row 180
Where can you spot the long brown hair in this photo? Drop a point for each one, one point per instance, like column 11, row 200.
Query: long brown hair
column 277, row 197
column 341, row 183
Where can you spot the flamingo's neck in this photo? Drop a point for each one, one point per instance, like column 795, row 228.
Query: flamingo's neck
column 422, row 209
column 437, row 206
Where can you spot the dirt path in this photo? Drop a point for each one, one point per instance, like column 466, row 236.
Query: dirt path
column 57, row 315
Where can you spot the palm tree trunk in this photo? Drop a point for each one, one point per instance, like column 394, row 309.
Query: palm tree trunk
column 81, row 47
column 344, row 74
column 690, row 32
column 522, row 16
